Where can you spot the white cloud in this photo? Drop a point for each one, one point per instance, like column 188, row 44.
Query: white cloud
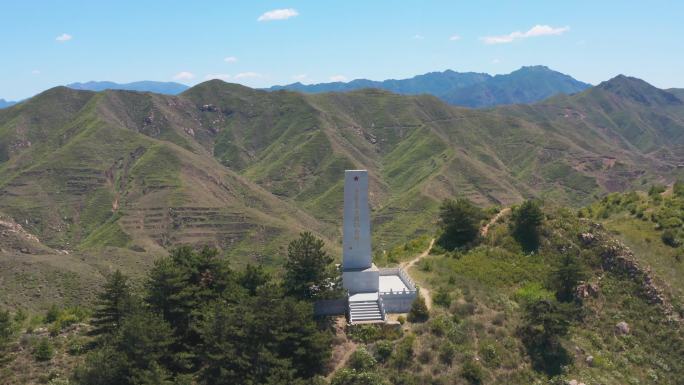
column 35, row 72
column 418, row 37
column 64, row 37
column 496, row 61
column 278, row 14
column 217, row 76
column 455, row 37
column 230, row 59
column 248, row 75
column 184, row 75
column 537, row 30
column 338, row 78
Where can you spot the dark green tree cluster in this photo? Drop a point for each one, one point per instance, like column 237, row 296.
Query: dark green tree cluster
column 545, row 323
column 460, row 223
column 199, row 320
column 527, row 220
column 309, row 270
column 566, row 277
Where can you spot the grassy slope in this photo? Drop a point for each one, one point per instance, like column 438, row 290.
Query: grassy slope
column 488, row 287
column 246, row 170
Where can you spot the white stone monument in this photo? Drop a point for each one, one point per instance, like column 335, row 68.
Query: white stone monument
column 359, row 274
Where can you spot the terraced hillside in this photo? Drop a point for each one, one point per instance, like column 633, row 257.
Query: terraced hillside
column 245, row 170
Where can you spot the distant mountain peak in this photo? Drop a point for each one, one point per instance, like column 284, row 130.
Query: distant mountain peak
column 535, row 68
column 470, row 89
column 638, row 90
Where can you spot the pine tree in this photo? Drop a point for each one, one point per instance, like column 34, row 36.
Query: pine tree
column 545, row 322
column 460, row 223
column 566, row 277
column 139, row 353
column 114, row 303
column 180, row 287
column 253, row 277
column 309, row 270
column 262, row 338
column 526, row 221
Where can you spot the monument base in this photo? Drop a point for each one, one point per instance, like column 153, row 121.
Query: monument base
column 361, row 280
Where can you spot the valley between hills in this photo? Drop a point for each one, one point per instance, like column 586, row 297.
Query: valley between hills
column 92, row 181
column 95, row 182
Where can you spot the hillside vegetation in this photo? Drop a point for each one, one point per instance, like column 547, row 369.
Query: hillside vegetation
column 582, row 306
column 117, row 178
column 547, row 296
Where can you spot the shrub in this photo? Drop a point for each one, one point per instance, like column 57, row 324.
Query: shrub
column 425, row 357
column 370, row 333
column 656, row 190
column 383, row 350
column 489, row 355
column 52, row 314
column 669, row 237
column 77, row 346
column 419, row 311
column 465, row 309
column 442, row 297
column 447, row 351
column 352, row 377
column 472, row 372
column 361, row 360
column 440, row 326
column 44, row 351
column 678, row 188
column 403, row 354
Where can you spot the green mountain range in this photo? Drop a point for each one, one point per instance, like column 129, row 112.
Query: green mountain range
column 117, row 178
column 469, row 89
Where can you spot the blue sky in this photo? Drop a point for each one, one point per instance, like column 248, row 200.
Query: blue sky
column 49, row 43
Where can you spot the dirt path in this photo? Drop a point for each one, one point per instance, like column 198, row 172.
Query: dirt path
column 342, row 352
column 424, row 291
column 485, row 228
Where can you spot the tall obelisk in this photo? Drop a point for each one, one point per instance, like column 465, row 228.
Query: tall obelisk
column 357, row 243
column 359, row 274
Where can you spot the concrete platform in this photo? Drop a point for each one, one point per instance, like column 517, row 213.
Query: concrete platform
column 393, row 283
column 362, row 297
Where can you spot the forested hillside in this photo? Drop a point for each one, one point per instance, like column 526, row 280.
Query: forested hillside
column 547, row 295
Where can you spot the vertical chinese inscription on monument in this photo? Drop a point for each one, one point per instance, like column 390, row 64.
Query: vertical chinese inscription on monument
column 357, row 214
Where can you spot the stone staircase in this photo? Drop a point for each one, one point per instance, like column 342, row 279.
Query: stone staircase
column 365, row 312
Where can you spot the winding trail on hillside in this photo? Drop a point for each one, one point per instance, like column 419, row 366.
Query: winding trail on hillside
column 342, row 352
column 410, row 263
column 407, row 265
column 485, row 229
